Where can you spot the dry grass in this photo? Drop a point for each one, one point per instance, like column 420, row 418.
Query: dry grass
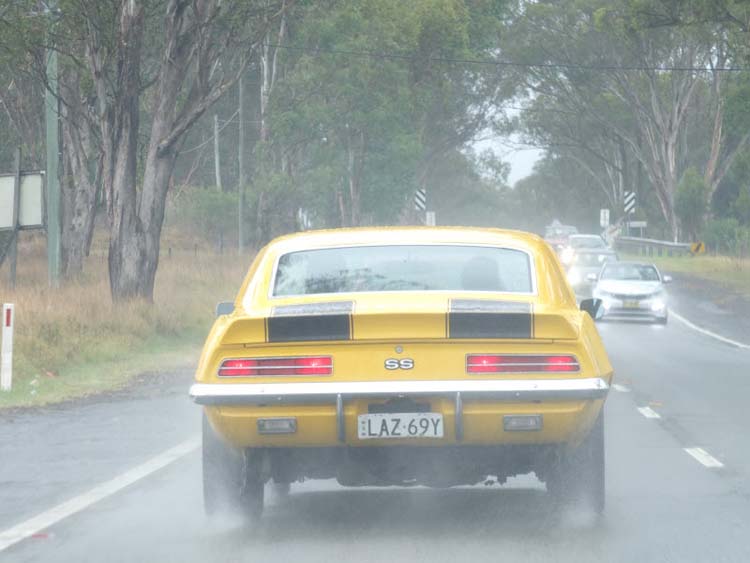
column 64, row 336
column 733, row 273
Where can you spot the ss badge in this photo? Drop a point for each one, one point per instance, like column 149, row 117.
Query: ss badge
column 396, row 363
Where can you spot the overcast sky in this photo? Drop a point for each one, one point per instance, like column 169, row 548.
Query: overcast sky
column 521, row 159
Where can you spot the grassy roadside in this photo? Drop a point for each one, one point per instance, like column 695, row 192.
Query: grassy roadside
column 73, row 342
column 733, row 273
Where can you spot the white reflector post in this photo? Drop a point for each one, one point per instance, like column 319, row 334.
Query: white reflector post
column 6, row 362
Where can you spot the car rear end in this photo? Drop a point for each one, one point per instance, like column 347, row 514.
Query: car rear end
column 399, row 387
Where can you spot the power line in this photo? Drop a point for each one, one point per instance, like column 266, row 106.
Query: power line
column 211, row 138
column 505, row 63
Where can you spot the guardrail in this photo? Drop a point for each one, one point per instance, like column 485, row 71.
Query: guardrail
column 651, row 247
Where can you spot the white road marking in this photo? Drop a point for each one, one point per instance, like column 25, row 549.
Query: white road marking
column 704, row 457
column 620, row 388
column 648, row 412
column 36, row 524
column 713, row 335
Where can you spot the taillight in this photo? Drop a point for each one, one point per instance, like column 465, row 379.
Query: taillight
column 495, row 363
column 247, row 367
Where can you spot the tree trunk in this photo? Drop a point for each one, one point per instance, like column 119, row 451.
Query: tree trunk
column 120, row 131
column 79, row 189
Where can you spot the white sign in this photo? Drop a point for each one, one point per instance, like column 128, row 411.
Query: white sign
column 30, row 206
column 638, row 224
column 429, row 219
column 604, row 218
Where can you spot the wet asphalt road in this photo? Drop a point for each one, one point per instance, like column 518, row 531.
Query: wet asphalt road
column 663, row 505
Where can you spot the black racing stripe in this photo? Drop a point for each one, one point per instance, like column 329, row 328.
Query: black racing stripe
column 476, row 318
column 309, row 328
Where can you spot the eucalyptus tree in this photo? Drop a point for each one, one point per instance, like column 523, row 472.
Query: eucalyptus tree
column 595, row 57
column 141, row 73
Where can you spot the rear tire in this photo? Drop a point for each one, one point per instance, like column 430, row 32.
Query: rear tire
column 579, row 475
column 232, row 480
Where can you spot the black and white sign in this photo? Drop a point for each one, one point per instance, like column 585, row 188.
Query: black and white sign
column 420, row 200
column 629, row 202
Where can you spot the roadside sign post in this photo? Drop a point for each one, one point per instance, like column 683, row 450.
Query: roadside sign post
column 52, row 116
column 420, row 202
column 628, row 206
column 604, row 218
column 6, row 360
column 697, row 248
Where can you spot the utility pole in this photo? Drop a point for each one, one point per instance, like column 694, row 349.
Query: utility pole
column 217, row 157
column 241, row 170
column 13, row 252
column 52, row 115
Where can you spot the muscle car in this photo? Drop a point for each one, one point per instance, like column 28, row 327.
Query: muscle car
column 430, row 356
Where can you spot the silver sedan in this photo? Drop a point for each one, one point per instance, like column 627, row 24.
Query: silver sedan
column 632, row 290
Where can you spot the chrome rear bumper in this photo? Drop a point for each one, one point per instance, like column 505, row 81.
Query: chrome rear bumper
column 516, row 390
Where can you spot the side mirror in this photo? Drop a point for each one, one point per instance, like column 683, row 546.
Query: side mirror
column 666, row 279
column 592, row 277
column 224, row 308
column 593, row 307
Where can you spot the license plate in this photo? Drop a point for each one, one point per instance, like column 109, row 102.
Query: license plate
column 400, row 425
column 631, row 304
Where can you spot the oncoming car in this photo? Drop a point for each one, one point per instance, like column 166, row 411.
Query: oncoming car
column 582, row 243
column 632, row 290
column 402, row 356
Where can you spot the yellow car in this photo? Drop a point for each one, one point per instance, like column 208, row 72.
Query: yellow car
column 402, row 356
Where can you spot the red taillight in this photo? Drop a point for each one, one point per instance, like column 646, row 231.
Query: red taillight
column 245, row 367
column 493, row 363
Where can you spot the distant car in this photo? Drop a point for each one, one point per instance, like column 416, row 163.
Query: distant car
column 581, row 243
column 585, row 263
column 403, row 356
column 632, row 290
column 557, row 235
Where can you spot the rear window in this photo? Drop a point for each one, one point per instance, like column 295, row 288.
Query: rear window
column 403, row 268
column 630, row 272
column 593, row 259
column 587, row 242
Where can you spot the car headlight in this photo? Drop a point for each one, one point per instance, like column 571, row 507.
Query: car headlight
column 574, row 276
column 658, row 304
column 567, row 255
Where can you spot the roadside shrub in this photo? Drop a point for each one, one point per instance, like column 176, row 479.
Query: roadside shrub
column 206, row 213
column 690, row 202
column 727, row 236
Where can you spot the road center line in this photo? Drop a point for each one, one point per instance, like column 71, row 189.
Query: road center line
column 704, row 457
column 620, row 388
column 36, row 524
column 713, row 335
column 648, row 412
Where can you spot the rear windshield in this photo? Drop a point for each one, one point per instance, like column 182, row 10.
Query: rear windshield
column 630, row 272
column 587, row 242
column 594, row 259
column 403, row 268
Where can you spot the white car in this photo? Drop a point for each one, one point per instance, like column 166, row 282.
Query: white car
column 582, row 243
column 632, row 290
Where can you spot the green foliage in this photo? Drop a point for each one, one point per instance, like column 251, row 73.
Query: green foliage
column 741, row 206
column 690, row 202
column 727, row 236
column 205, row 213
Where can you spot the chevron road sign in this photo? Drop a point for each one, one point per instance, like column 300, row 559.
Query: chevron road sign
column 629, row 202
column 420, row 200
